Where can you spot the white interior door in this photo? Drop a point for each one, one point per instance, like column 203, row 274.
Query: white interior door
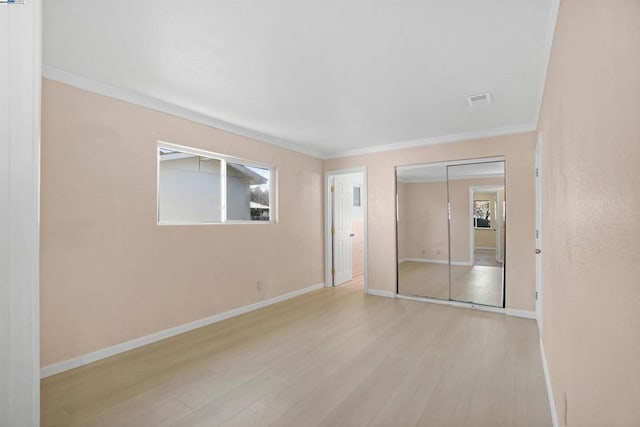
column 342, row 199
column 539, row 232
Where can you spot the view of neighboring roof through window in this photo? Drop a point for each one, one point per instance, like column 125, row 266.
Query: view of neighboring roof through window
column 196, row 187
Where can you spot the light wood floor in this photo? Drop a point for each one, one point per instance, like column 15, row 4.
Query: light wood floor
column 485, row 257
column 355, row 283
column 329, row 358
column 478, row 284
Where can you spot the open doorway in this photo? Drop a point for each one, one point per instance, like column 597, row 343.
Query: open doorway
column 346, row 225
column 488, row 212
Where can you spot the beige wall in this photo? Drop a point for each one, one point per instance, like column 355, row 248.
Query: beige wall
column 109, row 273
column 423, row 227
column 591, row 127
column 519, row 153
column 422, row 221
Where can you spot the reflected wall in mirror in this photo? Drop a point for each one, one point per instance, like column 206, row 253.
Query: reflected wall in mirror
column 451, row 229
column 423, row 241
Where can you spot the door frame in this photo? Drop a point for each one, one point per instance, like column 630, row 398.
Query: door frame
column 328, row 214
column 20, row 135
column 538, row 235
column 472, row 235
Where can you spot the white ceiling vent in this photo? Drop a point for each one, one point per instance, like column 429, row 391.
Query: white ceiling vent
column 479, row 99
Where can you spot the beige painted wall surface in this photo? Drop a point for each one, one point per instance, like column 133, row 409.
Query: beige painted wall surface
column 591, row 128
column 422, row 224
column 519, row 153
column 109, row 273
column 423, row 227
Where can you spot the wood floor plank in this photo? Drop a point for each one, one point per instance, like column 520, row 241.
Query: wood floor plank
column 331, row 357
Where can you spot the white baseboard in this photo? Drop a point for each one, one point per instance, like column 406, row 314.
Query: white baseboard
column 379, row 293
column 75, row 362
column 547, row 378
column 507, row 311
column 521, row 313
column 434, row 261
column 490, row 248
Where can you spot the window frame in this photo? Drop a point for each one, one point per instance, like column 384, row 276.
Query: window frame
column 224, row 159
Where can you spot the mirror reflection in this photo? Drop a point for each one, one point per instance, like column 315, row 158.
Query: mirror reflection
column 451, row 231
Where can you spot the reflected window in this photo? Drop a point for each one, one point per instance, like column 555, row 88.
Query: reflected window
column 482, row 214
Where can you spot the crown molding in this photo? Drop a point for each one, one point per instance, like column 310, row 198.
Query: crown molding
column 465, row 136
column 548, row 44
column 156, row 104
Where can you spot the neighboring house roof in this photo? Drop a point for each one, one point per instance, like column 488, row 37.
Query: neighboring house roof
column 254, row 178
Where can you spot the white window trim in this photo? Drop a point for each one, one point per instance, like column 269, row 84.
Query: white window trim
column 223, row 185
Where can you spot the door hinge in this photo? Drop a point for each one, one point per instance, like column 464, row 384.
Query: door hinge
column 537, row 173
column 536, row 295
column 333, row 189
column 537, row 234
column 333, row 230
column 333, row 271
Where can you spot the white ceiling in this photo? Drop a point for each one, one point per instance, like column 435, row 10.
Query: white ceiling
column 326, row 77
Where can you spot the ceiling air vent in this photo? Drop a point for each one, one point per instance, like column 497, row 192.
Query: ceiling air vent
column 479, row 99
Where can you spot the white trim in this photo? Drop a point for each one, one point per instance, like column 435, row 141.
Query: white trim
column 548, row 44
column 520, row 313
column 379, row 293
column 156, row 104
column 486, row 248
column 364, row 203
column 465, row 136
column 75, row 362
column 20, row 135
column 547, row 379
column 538, row 237
column 435, row 261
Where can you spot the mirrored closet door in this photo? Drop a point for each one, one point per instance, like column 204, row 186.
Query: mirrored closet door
column 451, row 225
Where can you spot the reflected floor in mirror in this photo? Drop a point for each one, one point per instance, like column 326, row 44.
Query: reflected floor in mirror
column 478, row 284
column 486, row 257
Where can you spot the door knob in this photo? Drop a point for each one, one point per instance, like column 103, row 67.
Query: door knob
column 351, row 235
column 538, row 251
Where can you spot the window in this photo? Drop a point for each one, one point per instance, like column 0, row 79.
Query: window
column 482, row 214
column 356, row 196
column 197, row 187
